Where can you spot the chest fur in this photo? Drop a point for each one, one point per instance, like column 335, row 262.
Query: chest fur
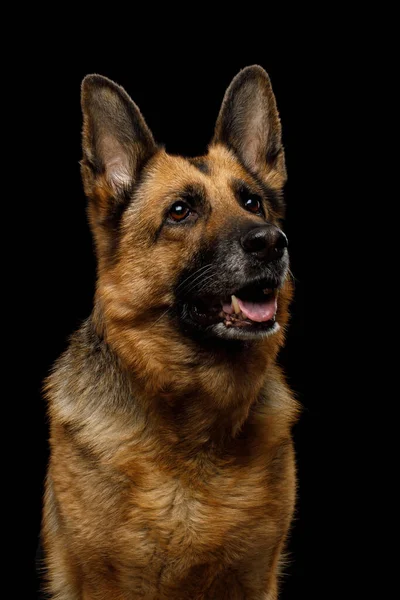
column 157, row 525
column 219, row 512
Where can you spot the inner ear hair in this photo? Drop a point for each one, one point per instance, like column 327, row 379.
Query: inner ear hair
column 116, row 139
column 249, row 124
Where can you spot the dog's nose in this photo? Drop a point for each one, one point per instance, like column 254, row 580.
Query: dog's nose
column 267, row 242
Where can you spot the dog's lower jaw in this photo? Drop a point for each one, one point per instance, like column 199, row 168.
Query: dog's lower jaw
column 235, row 333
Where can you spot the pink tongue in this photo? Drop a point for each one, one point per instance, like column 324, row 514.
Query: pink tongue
column 259, row 311
column 256, row 311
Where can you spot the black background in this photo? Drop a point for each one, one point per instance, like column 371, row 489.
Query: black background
column 180, row 98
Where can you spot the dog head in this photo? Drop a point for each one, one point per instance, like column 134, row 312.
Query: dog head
column 188, row 247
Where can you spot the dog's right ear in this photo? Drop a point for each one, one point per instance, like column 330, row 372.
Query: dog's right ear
column 116, row 143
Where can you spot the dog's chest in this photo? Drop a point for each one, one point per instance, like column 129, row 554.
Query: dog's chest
column 183, row 523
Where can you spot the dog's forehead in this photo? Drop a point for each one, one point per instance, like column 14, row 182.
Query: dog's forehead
column 215, row 172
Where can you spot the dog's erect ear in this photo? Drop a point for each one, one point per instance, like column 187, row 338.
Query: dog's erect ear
column 116, row 139
column 249, row 124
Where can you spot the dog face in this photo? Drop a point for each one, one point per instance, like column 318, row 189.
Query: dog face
column 190, row 247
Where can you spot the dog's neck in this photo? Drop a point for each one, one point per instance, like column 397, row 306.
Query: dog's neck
column 198, row 392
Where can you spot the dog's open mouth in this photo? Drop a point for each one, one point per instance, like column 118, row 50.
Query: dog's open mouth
column 253, row 307
column 241, row 313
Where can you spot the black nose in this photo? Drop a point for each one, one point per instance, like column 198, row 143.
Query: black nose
column 266, row 242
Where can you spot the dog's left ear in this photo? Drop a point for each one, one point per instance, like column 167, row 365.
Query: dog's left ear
column 249, row 124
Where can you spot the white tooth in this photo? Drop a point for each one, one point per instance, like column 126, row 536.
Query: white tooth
column 235, row 304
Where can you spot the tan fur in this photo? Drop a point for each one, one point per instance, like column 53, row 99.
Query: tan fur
column 172, row 472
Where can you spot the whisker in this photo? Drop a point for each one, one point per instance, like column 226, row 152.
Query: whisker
column 203, row 268
column 292, row 277
column 192, row 284
column 199, row 284
column 203, row 282
column 159, row 318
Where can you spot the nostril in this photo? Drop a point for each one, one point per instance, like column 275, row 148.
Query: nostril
column 282, row 241
column 276, row 253
column 278, row 249
column 266, row 243
column 256, row 242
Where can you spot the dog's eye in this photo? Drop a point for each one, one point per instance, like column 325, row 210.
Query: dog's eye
column 179, row 211
column 253, row 204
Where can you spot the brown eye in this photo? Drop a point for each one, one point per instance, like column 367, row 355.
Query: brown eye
column 253, row 205
column 179, row 211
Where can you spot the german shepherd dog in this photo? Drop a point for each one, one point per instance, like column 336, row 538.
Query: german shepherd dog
column 171, row 475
